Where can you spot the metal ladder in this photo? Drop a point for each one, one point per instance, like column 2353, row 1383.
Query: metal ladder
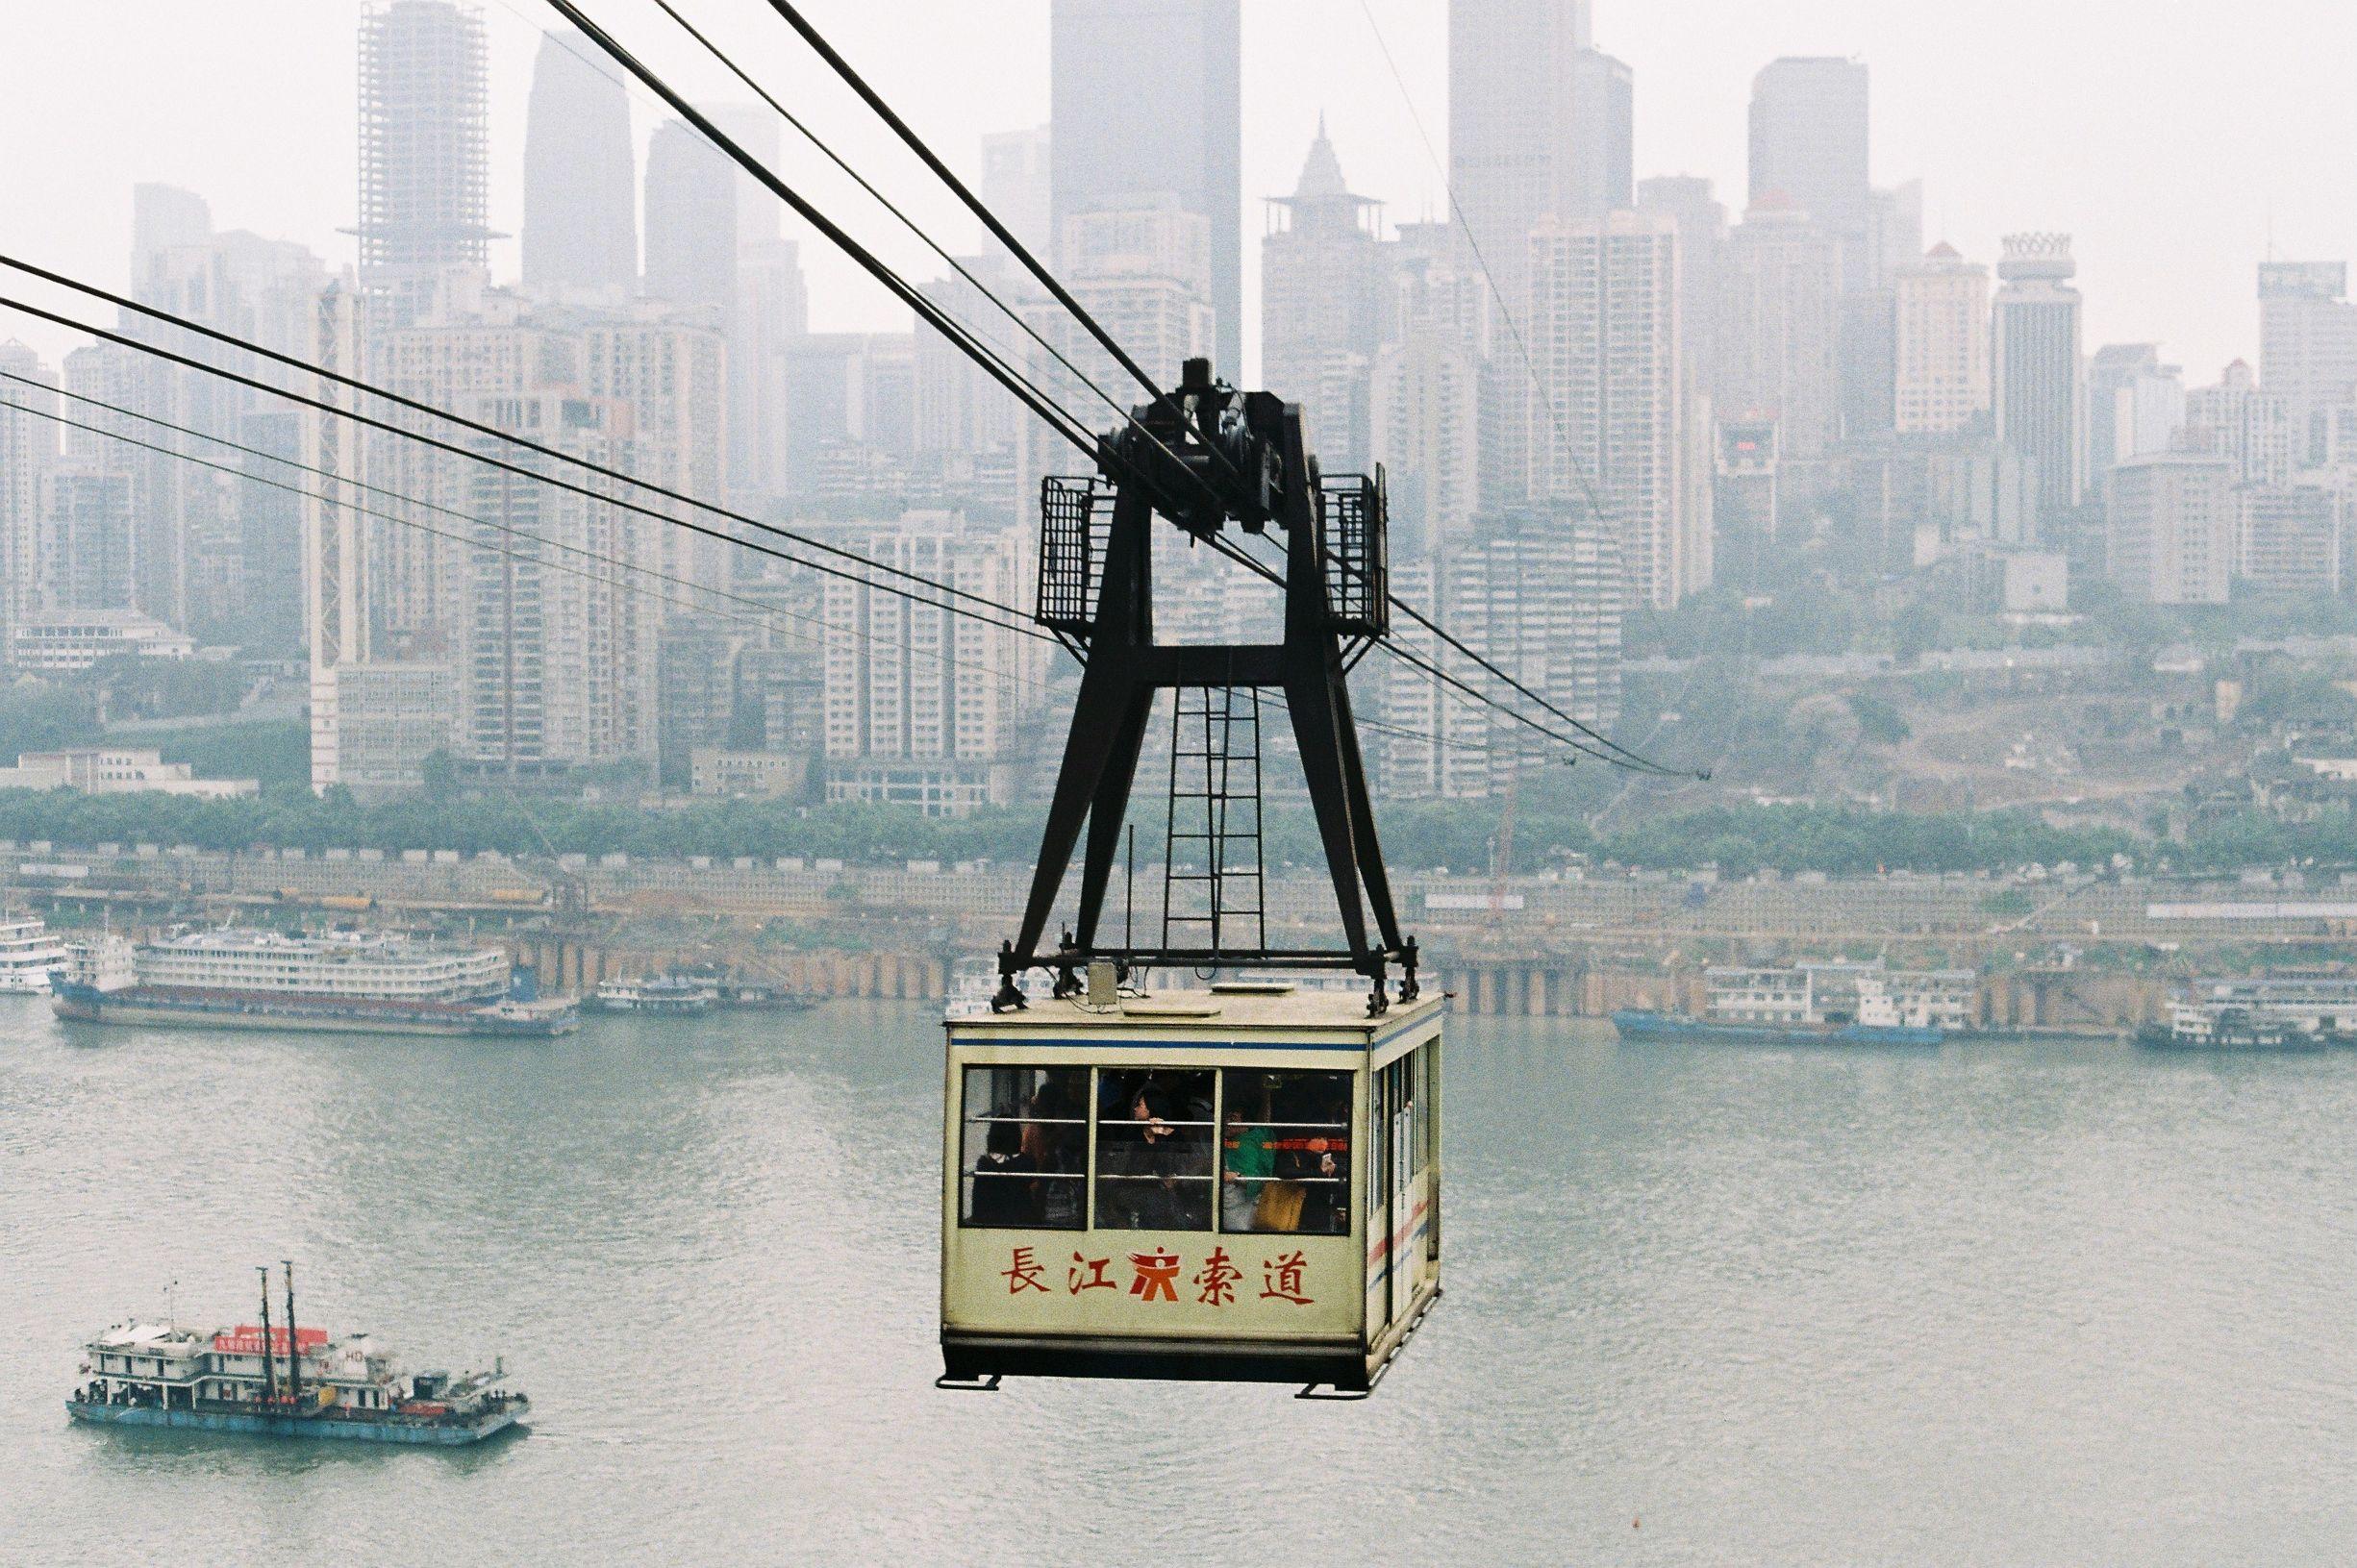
column 1212, row 882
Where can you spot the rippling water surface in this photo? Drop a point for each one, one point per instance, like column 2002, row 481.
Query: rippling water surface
column 1996, row 1304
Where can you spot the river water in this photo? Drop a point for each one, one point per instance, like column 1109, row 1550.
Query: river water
column 1994, row 1304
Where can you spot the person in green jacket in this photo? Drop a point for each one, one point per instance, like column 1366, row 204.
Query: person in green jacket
column 1250, row 1163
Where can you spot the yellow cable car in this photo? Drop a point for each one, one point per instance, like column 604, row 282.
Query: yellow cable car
column 1239, row 1183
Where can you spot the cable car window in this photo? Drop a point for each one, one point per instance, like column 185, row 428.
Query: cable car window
column 1023, row 1147
column 1284, row 1153
column 1419, row 1077
column 1153, row 1150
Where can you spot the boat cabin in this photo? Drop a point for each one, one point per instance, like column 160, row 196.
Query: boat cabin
column 1237, row 1184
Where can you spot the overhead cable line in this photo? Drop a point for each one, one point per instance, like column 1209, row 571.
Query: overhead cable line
column 889, row 206
column 488, row 461
column 417, row 406
column 1006, row 375
column 252, row 478
column 981, row 209
column 759, row 605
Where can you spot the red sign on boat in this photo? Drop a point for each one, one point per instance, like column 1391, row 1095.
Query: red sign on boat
column 245, row 1339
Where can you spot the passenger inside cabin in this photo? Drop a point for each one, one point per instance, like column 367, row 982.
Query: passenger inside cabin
column 1153, row 1172
column 1056, row 1145
column 1250, row 1162
column 1004, row 1191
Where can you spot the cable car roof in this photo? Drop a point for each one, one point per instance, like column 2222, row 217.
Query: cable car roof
column 1267, row 1015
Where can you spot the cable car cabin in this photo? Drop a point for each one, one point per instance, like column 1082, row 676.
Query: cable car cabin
column 1239, row 1184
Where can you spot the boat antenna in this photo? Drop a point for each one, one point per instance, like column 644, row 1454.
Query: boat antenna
column 269, row 1373
column 294, row 1351
column 171, row 1308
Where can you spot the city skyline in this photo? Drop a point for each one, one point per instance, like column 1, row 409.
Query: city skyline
column 1986, row 158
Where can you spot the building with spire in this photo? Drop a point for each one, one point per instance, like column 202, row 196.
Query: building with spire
column 1322, row 304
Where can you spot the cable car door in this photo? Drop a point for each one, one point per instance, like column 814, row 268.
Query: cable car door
column 1376, row 1163
column 1399, row 1145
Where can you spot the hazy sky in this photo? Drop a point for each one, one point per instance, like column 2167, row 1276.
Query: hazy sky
column 2173, row 138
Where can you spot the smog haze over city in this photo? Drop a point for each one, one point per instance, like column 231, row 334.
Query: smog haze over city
column 807, row 722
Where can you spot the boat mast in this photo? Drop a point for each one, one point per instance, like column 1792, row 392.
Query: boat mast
column 269, row 1377
column 294, row 1350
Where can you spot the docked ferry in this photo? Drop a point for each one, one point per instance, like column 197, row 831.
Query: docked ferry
column 1838, row 1004
column 665, row 995
column 266, row 1380
column 371, row 983
column 2208, row 1026
column 28, row 956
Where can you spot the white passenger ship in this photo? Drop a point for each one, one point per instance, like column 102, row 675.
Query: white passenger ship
column 362, row 981
column 28, row 956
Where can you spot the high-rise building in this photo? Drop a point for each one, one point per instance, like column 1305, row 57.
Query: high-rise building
column 194, row 551
column 2307, row 340
column 424, row 152
column 959, row 407
column 772, row 311
column 2034, row 369
column 1145, row 272
column 1539, row 131
column 2173, row 521
column 1611, row 433
column 1701, row 221
column 416, row 587
column 1538, row 126
column 581, row 217
column 87, row 547
column 670, row 373
column 1015, row 185
column 2250, row 428
column 2292, row 539
column 1744, row 499
column 923, row 706
column 1895, row 231
column 2135, row 405
column 1324, row 304
column 1809, row 148
column 336, row 622
column 164, row 219
column 558, row 669
column 269, row 567
column 1780, row 329
column 1146, row 99
column 692, row 210
column 1425, row 428
column 29, row 451
column 1537, row 592
column 1942, row 381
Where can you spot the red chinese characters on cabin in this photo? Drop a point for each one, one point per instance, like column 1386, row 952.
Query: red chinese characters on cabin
column 1154, row 1277
column 1284, row 1279
column 1215, row 1285
column 1022, row 1273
